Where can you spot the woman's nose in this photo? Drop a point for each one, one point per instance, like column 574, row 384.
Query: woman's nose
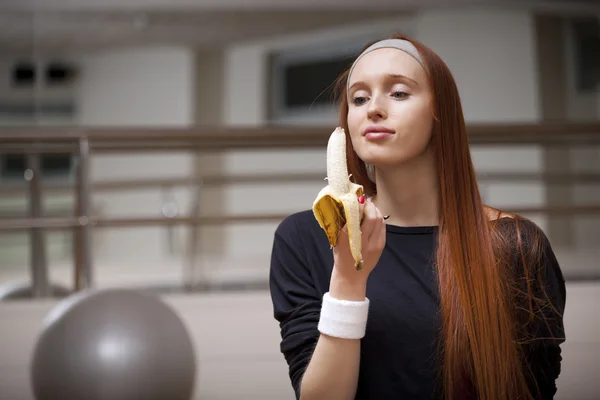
column 377, row 108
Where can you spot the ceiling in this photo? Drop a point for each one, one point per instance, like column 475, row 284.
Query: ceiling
column 266, row 5
column 73, row 25
column 76, row 30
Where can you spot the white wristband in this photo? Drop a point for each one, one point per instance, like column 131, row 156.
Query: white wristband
column 343, row 318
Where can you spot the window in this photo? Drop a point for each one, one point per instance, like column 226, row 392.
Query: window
column 23, row 74
column 586, row 34
column 13, row 166
column 301, row 80
column 310, row 83
column 302, row 68
column 38, row 93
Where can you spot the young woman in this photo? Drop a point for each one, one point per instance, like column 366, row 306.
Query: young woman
column 455, row 300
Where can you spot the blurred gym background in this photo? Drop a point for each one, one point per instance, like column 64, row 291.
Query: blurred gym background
column 155, row 145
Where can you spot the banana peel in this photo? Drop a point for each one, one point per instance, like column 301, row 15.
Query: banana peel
column 337, row 204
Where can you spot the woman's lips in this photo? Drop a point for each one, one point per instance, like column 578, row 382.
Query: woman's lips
column 375, row 132
column 377, row 135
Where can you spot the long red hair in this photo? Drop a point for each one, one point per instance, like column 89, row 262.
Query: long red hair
column 479, row 346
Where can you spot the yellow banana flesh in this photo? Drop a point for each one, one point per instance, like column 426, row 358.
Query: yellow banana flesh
column 337, row 203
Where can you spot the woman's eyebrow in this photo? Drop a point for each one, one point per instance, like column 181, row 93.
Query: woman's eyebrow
column 387, row 77
column 401, row 78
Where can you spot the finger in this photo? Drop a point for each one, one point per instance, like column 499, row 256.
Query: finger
column 344, row 229
column 378, row 213
column 369, row 219
column 343, row 232
column 361, row 207
column 377, row 223
column 343, row 241
column 378, row 237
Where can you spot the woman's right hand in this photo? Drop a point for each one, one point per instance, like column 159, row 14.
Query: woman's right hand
column 373, row 235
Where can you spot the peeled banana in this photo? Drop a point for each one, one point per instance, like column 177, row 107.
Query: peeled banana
column 337, row 203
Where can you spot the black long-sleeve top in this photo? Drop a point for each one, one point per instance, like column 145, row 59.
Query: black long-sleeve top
column 398, row 352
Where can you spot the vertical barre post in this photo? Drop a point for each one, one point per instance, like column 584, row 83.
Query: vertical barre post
column 190, row 278
column 82, row 234
column 38, row 261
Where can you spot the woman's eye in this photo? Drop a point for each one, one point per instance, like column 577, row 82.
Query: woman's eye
column 358, row 100
column 400, row 95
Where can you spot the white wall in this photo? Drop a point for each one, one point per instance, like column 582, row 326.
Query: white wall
column 492, row 56
column 137, row 87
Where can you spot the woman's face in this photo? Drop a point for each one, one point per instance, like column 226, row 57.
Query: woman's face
column 389, row 108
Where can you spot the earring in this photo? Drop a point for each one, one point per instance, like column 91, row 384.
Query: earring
column 370, row 172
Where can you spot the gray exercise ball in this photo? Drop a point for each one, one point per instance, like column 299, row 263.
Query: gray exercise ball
column 113, row 345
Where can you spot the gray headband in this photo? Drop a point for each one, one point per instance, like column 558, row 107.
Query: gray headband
column 399, row 44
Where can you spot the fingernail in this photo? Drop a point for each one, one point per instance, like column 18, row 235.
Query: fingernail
column 361, row 199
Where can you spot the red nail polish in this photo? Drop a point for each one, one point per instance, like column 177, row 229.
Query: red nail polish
column 361, row 199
